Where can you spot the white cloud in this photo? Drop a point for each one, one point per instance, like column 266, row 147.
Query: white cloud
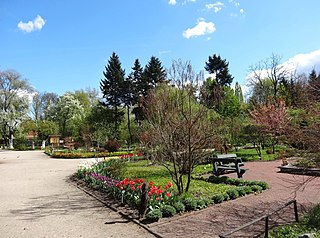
column 241, row 10
column 215, row 6
column 172, row 2
column 300, row 63
column 304, row 63
column 34, row 25
column 202, row 28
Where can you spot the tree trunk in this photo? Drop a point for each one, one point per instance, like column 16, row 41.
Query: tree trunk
column 11, row 142
column 129, row 127
column 43, row 146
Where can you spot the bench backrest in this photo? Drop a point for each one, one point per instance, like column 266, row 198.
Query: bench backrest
column 225, row 156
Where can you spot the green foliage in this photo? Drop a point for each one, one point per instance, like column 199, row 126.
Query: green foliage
column 218, row 198
column 112, row 88
column 241, row 191
column 247, row 189
column 14, row 105
column 291, row 231
column 179, row 206
column 114, row 168
column 307, row 163
column 230, row 106
column 154, row 72
column 256, row 188
column 155, row 214
column 168, row 211
column 312, row 219
column 309, row 224
column 190, row 203
column 243, row 187
column 202, row 203
column 219, row 67
column 233, row 193
column 262, row 184
column 69, row 114
column 251, row 155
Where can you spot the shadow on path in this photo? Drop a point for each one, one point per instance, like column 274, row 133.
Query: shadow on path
column 57, row 204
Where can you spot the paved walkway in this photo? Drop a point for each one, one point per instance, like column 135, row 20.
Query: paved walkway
column 225, row 217
column 36, row 201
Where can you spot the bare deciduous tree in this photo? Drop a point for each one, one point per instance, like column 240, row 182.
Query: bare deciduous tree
column 177, row 128
column 270, row 69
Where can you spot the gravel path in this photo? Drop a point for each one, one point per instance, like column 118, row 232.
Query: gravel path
column 36, row 201
column 225, row 217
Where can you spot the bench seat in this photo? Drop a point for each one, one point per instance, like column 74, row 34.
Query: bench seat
column 227, row 162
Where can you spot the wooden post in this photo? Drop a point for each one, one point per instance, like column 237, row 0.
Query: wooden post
column 266, row 228
column 295, row 210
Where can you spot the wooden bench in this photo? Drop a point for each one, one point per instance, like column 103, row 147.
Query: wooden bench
column 227, row 162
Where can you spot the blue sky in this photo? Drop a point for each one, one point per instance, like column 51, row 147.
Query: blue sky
column 63, row 45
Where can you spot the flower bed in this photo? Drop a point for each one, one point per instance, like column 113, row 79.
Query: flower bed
column 79, row 154
column 160, row 201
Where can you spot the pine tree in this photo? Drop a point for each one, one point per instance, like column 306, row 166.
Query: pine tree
column 112, row 88
column 131, row 91
column 212, row 92
column 141, row 87
column 219, row 67
column 154, row 73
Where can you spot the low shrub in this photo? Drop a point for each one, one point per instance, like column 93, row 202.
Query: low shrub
column 247, row 189
column 112, row 145
column 237, row 182
column 180, row 207
column 154, row 214
column 168, row 211
column 241, row 191
column 233, row 193
column 190, row 203
column 218, row 198
column 312, row 219
column 262, row 184
column 256, row 188
column 226, row 197
column 201, row 204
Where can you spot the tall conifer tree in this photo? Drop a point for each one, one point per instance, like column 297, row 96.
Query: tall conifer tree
column 112, row 88
column 154, row 73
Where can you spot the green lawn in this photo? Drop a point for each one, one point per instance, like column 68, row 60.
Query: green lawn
column 251, row 154
column 160, row 176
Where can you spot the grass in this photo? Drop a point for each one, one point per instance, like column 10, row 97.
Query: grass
column 160, row 176
column 251, row 154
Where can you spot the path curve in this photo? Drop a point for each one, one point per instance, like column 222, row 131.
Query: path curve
column 36, row 201
column 227, row 216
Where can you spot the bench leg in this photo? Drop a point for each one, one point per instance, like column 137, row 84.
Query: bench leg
column 239, row 171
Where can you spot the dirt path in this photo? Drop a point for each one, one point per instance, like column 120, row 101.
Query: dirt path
column 225, row 217
column 36, row 201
